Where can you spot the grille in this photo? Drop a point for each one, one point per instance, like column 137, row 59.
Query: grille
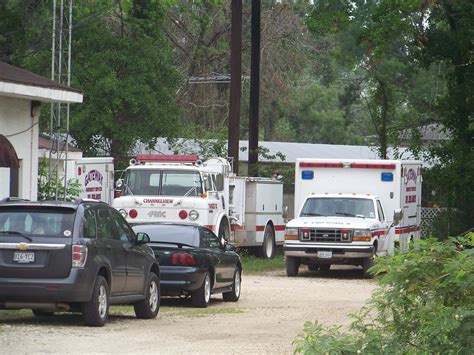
column 327, row 235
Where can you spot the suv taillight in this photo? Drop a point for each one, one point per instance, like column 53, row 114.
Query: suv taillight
column 182, row 259
column 79, row 255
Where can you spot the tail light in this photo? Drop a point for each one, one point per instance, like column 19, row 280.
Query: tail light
column 182, row 259
column 183, row 214
column 79, row 256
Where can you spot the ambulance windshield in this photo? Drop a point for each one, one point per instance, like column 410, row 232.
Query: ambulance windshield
column 147, row 182
column 349, row 207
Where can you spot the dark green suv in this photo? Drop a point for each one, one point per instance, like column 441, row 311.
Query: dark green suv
column 78, row 257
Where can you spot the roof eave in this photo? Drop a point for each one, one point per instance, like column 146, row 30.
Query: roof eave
column 39, row 93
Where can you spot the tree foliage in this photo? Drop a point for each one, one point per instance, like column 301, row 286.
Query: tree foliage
column 122, row 64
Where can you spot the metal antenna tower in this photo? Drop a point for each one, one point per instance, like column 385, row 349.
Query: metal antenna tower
column 61, row 73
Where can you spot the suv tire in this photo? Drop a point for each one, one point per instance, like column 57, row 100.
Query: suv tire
column 292, row 266
column 96, row 311
column 234, row 295
column 201, row 297
column 150, row 306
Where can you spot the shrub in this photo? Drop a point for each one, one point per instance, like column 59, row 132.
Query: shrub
column 424, row 304
column 53, row 189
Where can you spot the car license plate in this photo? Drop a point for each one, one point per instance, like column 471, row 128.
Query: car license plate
column 22, row 257
column 324, row 254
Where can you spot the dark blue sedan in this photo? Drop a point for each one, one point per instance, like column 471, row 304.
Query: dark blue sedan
column 194, row 261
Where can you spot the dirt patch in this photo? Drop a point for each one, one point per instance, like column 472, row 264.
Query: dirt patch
column 269, row 315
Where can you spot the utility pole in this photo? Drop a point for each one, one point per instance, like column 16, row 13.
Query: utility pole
column 254, row 88
column 235, row 83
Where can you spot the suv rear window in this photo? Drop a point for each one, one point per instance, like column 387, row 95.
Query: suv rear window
column 37, row 221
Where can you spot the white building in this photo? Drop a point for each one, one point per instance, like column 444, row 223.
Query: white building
column 21, row 96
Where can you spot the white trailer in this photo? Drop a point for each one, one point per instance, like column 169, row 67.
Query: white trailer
column 96, row 177
column 247, row 212
column 329, row 198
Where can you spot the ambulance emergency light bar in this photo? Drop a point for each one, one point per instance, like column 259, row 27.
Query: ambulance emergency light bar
column 342, row 165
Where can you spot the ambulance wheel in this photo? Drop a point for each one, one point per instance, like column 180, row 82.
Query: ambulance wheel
column 366, row 265
column 268, row 245
column 292, row 266
column 224, row 232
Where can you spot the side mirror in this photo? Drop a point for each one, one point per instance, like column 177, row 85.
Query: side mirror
column 142, row 238
column 397, row 216
column 119, row 183
column 220, row 182
column 229, row 247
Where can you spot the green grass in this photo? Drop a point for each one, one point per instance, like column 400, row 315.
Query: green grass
column 254, row 265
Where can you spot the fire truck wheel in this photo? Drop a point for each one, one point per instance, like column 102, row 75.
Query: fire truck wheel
column 268, row 245
column 224, row 231
column 292, row 266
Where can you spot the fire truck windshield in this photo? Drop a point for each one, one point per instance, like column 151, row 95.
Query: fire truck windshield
column 146, row 182
column 350, row 207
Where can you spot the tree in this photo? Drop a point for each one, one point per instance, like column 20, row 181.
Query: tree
column 122, row 64
column 396, row 47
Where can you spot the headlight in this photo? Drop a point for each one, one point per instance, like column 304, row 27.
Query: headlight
column 123, row 213
column 193, row 215
column 291, row 234
column 362, row 235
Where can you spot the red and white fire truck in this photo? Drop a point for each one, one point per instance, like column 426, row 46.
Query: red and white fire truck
column 246, row 211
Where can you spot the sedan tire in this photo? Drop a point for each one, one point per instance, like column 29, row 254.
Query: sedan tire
column 150, row 306
column 234, row 295
column 201, row 297
column 96, row 311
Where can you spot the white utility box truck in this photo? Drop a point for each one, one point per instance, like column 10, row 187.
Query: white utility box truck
column 245, row 211
column 348, row 211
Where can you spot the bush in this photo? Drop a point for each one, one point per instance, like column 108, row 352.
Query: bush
column 425, row 304
column 53, row 189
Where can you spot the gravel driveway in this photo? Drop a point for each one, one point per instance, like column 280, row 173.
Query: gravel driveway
column 270, row 314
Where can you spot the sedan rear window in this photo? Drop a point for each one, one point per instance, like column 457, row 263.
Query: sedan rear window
column 37, row 221
column 170, row 233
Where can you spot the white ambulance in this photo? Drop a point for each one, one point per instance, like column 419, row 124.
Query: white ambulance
column 246, row 211
column 349, row 211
